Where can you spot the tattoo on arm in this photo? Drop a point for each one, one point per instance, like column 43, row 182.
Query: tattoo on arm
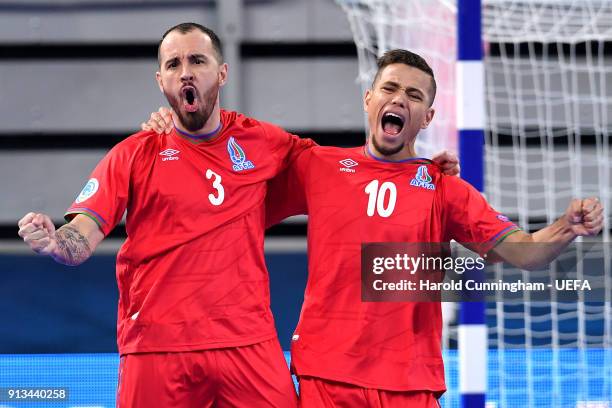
column 73, row 247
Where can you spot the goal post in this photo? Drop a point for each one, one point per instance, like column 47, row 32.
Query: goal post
column 470, row 113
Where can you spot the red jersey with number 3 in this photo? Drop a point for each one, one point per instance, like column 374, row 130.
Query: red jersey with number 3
column 191, row 273
column 353, row 198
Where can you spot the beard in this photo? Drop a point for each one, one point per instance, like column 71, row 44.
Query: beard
column 194, row 121
column 386, row 151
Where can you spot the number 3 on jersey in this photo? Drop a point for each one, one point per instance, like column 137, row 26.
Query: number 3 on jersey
column 377, row 198
column 218, row 199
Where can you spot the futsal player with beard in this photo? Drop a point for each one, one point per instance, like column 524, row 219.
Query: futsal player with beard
column 194, row 322
column 350, row 353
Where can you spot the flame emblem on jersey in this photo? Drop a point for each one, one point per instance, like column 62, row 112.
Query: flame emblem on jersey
column 422, row 179
column 237, row 156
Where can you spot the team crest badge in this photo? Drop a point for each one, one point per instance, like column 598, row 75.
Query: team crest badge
column 88, row 191
column 422, row 179
column 237, row 156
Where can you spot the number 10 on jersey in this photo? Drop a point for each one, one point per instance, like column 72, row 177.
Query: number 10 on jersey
column 378, row 196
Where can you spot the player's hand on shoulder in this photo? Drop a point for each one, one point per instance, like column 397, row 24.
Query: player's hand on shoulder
column 159, row 122
column 448, row 162
column 585, row 216
column 38, row 231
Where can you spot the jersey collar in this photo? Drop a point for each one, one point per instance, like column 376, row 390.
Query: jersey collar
column 415, row 160
column 204, row 137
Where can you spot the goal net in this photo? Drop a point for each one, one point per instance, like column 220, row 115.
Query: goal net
column 548, row 95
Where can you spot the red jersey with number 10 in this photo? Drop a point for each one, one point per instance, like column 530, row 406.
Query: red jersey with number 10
column 191, row 273
column 353, row 198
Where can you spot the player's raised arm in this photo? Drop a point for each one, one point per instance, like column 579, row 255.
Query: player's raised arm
column 72, row 244
column 582, row 218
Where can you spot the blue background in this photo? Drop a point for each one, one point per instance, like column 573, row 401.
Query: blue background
column 51, row 308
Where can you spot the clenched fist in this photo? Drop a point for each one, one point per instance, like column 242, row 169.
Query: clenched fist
column 585, row 216
column 38, row 231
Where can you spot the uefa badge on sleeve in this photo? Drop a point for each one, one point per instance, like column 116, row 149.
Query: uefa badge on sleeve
column 88, row 191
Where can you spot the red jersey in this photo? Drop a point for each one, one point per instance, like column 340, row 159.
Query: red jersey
column 353, row 198
column 191, row 273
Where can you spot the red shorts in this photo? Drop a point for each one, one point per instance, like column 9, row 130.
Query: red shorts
column 320, row 393
column 248, row 376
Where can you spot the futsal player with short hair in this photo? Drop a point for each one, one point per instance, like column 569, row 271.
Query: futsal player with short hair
column 350, row 353
column 194, row 322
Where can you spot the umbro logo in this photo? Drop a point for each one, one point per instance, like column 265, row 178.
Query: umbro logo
column 348, row 164
column 169, row 154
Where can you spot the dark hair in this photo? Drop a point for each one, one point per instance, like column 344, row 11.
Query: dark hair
column 399, row 56
column 185, row 28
